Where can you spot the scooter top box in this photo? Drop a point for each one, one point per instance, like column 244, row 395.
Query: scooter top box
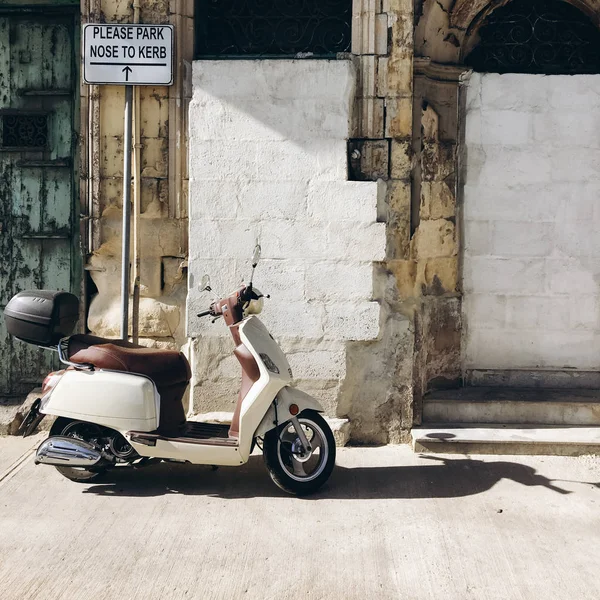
column 41, row 317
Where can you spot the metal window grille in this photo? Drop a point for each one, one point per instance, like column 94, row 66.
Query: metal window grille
column 272, row 28
column 549, row 37
column 24, row 131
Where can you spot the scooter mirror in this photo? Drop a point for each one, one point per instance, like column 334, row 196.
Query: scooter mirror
column 256, row 255
column 205, row 283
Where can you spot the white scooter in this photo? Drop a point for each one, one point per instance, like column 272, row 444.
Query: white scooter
column 120, row 404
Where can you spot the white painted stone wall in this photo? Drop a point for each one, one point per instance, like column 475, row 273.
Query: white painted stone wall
column 268, row 163
column 532, row 222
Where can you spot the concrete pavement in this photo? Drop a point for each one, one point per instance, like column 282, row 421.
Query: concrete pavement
column 390, row 524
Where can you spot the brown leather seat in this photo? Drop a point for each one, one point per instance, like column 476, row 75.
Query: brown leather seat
column 164, row 367
column 169, row 369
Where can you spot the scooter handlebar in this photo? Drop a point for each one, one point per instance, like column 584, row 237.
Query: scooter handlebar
column 233, row 303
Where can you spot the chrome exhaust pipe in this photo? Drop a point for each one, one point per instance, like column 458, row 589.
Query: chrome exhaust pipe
column 67, row 452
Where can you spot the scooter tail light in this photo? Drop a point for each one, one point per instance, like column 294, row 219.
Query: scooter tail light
column 46, row 385
column 294, row 410
column 51, row 380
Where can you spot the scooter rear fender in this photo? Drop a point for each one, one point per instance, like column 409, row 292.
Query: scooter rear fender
column 279, row 411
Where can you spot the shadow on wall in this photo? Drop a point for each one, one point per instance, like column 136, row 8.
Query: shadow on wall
column 270, row 100
column 446, row 478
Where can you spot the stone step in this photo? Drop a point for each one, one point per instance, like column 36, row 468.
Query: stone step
column 534, row 378
column 9, row 408
column 513, row 406
column 506, row 439
column 13, row 411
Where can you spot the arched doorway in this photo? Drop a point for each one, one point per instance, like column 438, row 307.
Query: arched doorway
column 531, row 195
column 507, row 124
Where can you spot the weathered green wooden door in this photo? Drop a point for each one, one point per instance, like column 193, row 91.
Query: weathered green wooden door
column 38, row 85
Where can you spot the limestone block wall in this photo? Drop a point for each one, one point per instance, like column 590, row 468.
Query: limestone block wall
column 531, row 218
column 377, row 394
column 268, row 163
column 359, row 351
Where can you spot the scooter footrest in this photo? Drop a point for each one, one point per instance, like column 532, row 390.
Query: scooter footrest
column 146, row 440
column 194, row 429
column 191, row 433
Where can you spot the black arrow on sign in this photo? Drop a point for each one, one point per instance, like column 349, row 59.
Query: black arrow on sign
column 127, row 70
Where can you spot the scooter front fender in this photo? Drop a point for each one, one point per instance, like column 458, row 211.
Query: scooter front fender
column 279, row 411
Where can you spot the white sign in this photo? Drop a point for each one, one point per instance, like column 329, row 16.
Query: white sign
column 128, row 54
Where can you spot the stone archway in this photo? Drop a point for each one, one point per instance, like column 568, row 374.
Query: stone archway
column 545, row 37
column 531, row 298
column 446, row 33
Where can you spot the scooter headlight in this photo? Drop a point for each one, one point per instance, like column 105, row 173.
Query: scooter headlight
column 255, row 305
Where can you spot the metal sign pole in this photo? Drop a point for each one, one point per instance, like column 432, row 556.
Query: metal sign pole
column 143, row 56
column 125, row 265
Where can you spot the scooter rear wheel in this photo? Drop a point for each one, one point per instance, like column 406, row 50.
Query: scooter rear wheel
column 292, row 471
column 83, row 431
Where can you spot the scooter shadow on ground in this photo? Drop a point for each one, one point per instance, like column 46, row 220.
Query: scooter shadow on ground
column 443, row 478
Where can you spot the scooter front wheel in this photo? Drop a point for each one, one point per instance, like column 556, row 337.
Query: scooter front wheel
column 293, row 470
